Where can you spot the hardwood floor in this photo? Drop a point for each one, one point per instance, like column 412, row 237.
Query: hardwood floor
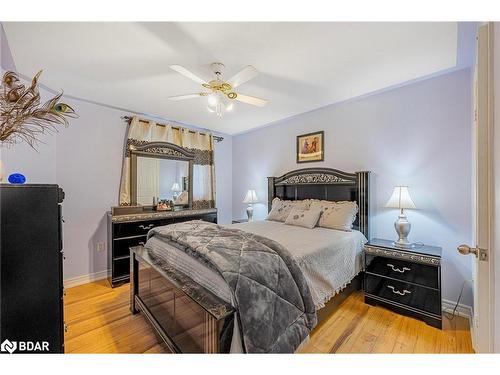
column 99, row 321
column 356, row 327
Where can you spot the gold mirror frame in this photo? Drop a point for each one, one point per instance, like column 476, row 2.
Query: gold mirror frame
column 161, row 150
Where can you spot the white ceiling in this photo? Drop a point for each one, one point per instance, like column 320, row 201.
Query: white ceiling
column 302, row 66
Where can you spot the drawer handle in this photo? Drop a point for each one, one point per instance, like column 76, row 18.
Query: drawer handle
column 403, row 293
column 146, row 226
column 400, row 270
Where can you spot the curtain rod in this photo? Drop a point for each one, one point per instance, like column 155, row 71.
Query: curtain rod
column 215, row 137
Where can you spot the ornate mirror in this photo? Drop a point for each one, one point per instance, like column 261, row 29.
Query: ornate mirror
column 160, row 170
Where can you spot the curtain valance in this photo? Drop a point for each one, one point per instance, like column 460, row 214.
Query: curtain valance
column 201, row 144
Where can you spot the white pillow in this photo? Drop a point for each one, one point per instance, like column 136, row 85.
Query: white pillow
column 281, row 209
column 336, row 215
column 303, row 218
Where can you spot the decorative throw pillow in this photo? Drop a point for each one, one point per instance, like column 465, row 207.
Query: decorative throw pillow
column 336, row 215
column 281, row 209
column 303, row 218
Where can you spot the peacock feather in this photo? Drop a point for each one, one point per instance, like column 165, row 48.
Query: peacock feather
column 23, row 117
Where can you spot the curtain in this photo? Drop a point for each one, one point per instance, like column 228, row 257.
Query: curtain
column 203, row 169
column 200, row 144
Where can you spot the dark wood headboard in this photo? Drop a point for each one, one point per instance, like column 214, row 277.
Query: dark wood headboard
column 326, row 184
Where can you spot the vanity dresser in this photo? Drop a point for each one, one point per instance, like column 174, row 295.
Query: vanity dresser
column 128, row 226
column 158, row 171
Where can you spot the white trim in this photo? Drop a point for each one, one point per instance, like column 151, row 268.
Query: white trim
column 462, row 310
column 85, row 279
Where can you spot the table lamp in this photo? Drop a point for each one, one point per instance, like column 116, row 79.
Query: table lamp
column 401, row 199
column 250, row 199
column 176, row 188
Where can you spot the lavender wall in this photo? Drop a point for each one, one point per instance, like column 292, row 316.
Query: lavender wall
column 6, row 60
column 417, row 135
column 85, row 160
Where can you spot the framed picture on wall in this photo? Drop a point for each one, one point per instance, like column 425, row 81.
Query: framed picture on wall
column 311, row 147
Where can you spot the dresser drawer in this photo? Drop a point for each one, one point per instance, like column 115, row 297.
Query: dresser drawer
column 402, row 270
column 137, row 228
column 121, row 247
column 417, row 297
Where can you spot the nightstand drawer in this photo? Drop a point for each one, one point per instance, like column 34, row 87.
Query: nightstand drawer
column 416, row 297
column 402, row 270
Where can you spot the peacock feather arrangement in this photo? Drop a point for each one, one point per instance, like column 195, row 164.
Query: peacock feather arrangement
column 23, row 117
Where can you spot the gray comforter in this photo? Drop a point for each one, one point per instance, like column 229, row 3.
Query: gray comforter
column 273, row 301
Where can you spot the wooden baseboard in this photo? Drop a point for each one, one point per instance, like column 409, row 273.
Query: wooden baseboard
column 85, row 279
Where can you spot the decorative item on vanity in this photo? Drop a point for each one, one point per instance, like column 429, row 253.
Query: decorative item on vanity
column 401, row 199
column 23, row 117
column 221, row 92
column 250, row 199
column 164, row 205
column 311, row 147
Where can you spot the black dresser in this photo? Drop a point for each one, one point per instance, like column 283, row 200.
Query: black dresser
column 127, row 229
column 31, row 275
column 405, row 281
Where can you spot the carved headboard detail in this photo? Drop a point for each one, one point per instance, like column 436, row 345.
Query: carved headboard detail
column 326, row 184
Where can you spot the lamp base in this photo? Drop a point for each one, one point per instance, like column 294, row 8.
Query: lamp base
column 409, row 245
column 403, row 227
column 250, row 213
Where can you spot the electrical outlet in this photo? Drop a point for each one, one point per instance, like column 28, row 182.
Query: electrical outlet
column 101, row 246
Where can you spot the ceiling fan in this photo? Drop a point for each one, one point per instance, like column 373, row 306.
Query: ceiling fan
column 221, row 92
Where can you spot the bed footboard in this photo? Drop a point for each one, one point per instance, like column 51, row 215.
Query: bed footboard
column 187, row 317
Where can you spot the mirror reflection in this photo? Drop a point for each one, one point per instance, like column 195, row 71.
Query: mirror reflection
column 162, row 179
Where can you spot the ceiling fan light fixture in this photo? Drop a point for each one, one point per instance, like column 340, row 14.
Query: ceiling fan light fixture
column 212, row 100
column 220, row 93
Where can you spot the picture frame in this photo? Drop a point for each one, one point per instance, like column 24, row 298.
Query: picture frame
column 311, row 147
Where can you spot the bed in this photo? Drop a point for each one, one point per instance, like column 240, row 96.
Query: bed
column 191, row 306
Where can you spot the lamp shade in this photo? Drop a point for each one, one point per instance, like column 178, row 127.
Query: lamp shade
column 251, row 197
column 176, row 187
column 400, row 198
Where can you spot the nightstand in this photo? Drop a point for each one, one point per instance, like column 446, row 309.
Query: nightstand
column 239, row 221
column 407, row 281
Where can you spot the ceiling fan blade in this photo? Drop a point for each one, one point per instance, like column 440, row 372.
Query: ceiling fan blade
column 244, row 75
column 253, row 100
column 183, row 97
column 187, row 73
